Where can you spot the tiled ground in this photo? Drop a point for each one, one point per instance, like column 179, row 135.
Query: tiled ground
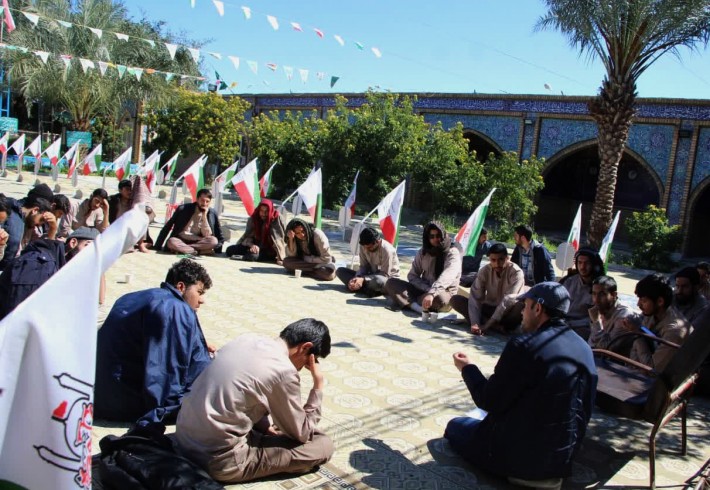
column 391, row 384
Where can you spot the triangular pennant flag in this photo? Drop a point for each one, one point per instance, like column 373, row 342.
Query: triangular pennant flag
column 192, row 3
column 35, row 148
column 43, row 55
column 92, row 160
column 273, row 21
column 169, row 76
column 310, row 193
column 235, row 61
column 471, row 230
column 215, row 55
column 219, row 82
column 4, row 142
column 151, row 42
column 253, row 66
column 389, row 211
column 247, row 12
column 102, row 67
column 195, row 53
column 219, row 6
column 340, row 40
column 320, row 75
column 605, row 249
column 265, row 182
column 34, row 18
column 193, row 178
column 289, row 72
column 66, row 59
column 97, row 32
column 333, row 81
column 138, row 72
column 272, row 66
column 377, row 52
column 19, row 145
column 122, row 164
column 7, row 17
column 246, row 183
column 304, row 74
column 121, row 70
column 86, row 65
column 296, row 26
column 121, row 36
column 64, row 23
column 52, row 151
column 359, row 46
column 172, row 49
column 318, row 32
column 576, row 231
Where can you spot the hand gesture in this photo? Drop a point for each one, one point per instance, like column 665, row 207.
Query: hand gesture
column 290, row 234
column 427, row 301
column 254, row 249
column 476, row 329
column 355, row 284
column 461, row 360
column 104, row 205
column 313, row 366
column 3, row 237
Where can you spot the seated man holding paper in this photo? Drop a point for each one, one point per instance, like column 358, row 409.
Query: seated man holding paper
column 538, row 400
column 378, row 262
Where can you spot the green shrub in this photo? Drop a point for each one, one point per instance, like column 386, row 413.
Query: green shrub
column 652, row 239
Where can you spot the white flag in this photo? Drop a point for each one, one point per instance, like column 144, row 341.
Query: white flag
column 47, row 367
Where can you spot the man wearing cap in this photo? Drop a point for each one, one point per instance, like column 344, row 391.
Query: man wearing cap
column 588, row 266
column 378, row 262
column 37, row 263
column 537, row 402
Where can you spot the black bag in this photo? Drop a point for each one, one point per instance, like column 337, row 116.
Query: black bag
column 146, row 459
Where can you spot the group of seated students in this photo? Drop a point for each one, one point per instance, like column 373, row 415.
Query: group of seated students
column 238, row 409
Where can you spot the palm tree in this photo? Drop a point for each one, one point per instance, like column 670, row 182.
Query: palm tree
column 628, row 36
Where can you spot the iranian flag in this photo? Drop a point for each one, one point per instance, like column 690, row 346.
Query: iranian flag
column 606, row 243
column 3, row 143
column 168, row 169
column 150, row 170
column 70, row 157
column 220, row 182
column 576, row 231
column 389, row 211
column 122, row 164
column 265, row 182
column 246, row 182
column 52, row 151
column 311, row 192
column 35, row 149
column 469, row 233
column 350, row 201
column 92, row 160
column 193, row 178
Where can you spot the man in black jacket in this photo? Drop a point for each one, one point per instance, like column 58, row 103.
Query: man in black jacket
column 194, row 228
column 538, row 400
column 532, row 257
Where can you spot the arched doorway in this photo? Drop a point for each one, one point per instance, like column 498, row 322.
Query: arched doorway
column 571, row 177
column 698, row 239
column 481, row 144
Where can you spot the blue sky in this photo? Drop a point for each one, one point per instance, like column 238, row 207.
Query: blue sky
column 487, row 46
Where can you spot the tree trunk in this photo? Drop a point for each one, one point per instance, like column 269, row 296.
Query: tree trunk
column 137, row 132
column 613, row 111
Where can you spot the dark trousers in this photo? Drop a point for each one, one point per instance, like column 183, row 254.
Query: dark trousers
column 243, row 250
column 405, row 293
column 322, row 272
column 373, row 285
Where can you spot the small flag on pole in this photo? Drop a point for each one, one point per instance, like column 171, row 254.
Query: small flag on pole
column 605, row 249
column 246, row 182
column 389, row 211
column 469, row 233
column 575, row 232
column 265, row 182
column 92, row 160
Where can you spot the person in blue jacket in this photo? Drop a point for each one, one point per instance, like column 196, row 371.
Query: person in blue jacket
column 151, row 348
column 538, row 400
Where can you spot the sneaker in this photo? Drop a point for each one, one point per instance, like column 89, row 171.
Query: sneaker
column 416, row 307
column 237, row 257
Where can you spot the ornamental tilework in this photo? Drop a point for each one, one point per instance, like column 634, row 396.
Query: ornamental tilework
column 528, row 139
column 702, row 158
column 653, row 143
column 558, row 134
column 678, row 185
column 503, row 130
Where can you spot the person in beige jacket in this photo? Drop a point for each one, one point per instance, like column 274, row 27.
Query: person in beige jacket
column 493, row 293
column 308, row 250
column 244, row 418
column 434, row 276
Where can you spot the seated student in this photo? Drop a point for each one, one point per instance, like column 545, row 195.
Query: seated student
column 263, row 238
column 493, row 293
column 224, row 422
column 125, row 200
column 378, row 262
column 578, row 281
column 39, row 261
column 308, row 250
column 434, row 276
column 151, row 348
column 23, row 218
column 93, row 212
column 607, row 316
column 661, row 318
column 194, row 228
column 470, row 265
column 538, row 400
column 532, row 257
column 687, row 298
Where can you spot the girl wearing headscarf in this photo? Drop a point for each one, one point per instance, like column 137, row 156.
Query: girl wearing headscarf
column 307, row 249
column 263, row 238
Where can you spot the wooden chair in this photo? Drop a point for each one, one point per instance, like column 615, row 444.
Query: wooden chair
column 633, row 390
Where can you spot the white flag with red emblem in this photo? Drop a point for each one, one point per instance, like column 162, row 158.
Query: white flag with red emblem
column 389, row 211
column 71, row 159
column 246, row 182
column 193, row 177
column 52, row 151
column 310, row 193
column 122, row 164
column 92, row 160
column 265, row 182
column 19, row 145
column 576, row 231
column 3, row 143
column 47, row 365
